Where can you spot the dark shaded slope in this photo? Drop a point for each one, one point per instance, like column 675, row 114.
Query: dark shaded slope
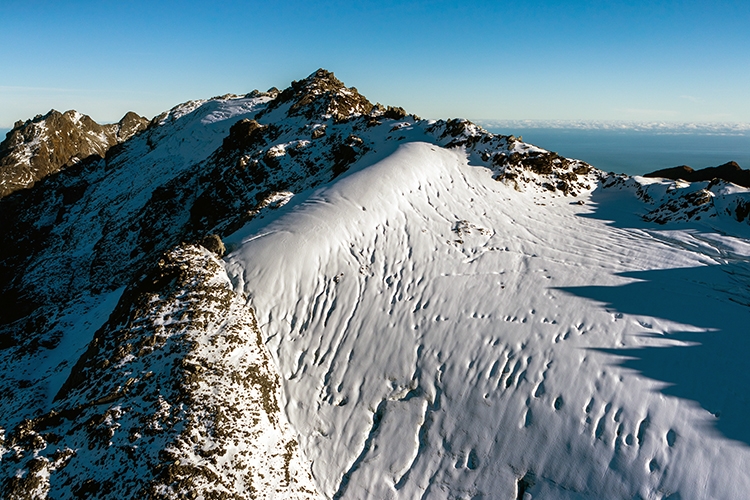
column 730, row 172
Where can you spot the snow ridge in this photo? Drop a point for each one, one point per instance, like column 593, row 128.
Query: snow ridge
column 435, row 339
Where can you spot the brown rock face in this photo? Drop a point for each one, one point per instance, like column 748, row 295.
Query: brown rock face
column 46, row 144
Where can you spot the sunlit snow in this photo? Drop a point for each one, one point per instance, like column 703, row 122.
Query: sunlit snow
column 441, row 335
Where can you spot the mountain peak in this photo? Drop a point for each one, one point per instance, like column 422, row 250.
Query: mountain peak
column 323, row 75
column 319, row 82
column 406, row 308
column 322, row 94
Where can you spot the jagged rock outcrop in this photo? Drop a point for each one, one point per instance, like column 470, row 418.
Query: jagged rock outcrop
column 517, row 163
column 36, row 148
column 321, row 95
column 679, row 201
column 175, row 397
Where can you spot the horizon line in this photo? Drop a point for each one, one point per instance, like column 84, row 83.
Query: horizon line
column 623, row 125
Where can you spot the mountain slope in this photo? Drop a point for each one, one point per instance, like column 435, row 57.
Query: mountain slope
column 175, row 394
column 447, row 313
column 199, row 170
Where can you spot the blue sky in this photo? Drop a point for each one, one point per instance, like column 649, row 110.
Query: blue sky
column 677, row 61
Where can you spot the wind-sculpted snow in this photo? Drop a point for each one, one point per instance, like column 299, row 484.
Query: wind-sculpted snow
column 443, row 335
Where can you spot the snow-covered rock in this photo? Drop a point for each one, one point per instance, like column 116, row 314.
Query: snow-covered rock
column 175, row 397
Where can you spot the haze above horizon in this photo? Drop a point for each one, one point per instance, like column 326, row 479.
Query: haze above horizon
column 668, row 61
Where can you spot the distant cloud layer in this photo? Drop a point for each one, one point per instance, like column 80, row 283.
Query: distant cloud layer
column 655, row 127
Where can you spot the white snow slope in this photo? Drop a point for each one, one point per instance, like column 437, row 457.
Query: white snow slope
column 443, row 335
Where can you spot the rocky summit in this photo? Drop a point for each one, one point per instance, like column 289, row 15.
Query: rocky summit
column 300, row 294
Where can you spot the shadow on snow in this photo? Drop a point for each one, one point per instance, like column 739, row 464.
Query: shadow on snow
column 711, row 368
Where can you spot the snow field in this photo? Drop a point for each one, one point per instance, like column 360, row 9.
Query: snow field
column 441, row 335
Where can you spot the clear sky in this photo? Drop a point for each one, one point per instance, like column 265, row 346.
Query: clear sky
column 677, row 61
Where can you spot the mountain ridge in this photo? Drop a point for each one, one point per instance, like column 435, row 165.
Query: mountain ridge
column 335, row 212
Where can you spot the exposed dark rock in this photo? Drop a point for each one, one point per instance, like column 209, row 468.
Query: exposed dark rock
column 540, row 163
column 347, row 153
column 582, row 169
column 213, row 243
column 127, row 419
column 272, row 92
column 684, row 207
column 321, row 94
column 395, row 113
column 244, row 134
column 741, row 211
column 730, row 172
column 319, row 132
column 524, row 483
column 455, row 127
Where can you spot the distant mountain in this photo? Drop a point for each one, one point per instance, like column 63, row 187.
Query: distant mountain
column 301, row 294
column 46, row 144
column 729, row 172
